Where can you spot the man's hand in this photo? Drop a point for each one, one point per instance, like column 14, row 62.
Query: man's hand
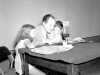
column 45, row 44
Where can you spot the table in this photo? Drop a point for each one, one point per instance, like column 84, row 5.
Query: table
column 69, row 62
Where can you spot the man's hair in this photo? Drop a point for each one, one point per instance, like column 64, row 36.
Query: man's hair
column 46, row 17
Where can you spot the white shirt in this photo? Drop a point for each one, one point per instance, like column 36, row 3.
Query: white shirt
column 18, row 62
column 40, row 36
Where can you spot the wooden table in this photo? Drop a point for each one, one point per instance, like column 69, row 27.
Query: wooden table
column 70, row 62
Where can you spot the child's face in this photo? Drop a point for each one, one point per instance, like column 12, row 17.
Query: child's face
column 27, row 33
column 58, row 27
column 57, row 30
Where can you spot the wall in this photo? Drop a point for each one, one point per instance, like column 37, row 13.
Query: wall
column 15, row 13
column 82, row 14
column 84, row 17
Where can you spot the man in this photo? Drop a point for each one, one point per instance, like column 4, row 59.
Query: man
column 43, row 33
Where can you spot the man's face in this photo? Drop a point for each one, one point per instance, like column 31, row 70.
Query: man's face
column 49, row 25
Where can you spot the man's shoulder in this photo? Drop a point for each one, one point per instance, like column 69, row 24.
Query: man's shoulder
column 39, row 27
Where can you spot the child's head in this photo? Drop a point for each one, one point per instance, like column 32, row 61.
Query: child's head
column 24, row 33
column 59, row 24
column 26, row 29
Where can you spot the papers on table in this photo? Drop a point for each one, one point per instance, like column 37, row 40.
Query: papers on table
column 78, row 39
column 52, row 49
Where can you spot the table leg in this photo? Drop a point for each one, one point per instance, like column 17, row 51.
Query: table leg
column 73, row 70
column 25, row 65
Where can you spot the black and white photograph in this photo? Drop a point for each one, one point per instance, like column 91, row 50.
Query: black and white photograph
column 49, row 37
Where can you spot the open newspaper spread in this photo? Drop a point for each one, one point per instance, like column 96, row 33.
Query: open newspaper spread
column 50, row 49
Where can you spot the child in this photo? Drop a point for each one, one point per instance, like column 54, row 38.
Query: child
column 23, row 40
column 58, row 31
column 55, row 36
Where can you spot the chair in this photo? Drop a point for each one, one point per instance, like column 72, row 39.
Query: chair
column 4, row 59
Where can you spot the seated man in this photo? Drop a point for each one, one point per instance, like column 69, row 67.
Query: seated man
column 43, row 33
column 48, row 33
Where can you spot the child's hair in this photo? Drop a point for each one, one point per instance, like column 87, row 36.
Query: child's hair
column 59, row 24
column 22, row 34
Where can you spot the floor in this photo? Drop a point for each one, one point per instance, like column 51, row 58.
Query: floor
column 5, row 68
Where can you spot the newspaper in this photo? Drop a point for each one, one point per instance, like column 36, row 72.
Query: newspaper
column 50, row 49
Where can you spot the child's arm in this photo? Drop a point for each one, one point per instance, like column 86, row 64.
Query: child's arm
column 29, row 44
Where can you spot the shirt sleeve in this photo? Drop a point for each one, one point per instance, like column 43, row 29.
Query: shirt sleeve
column 20, row 44
column 28, row 44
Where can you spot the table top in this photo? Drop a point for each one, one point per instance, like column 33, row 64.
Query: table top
column 81, row 53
